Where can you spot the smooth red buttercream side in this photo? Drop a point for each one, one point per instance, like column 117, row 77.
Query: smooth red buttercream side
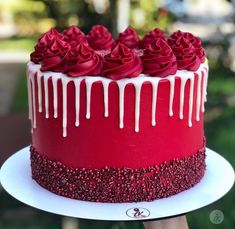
column 99, row 142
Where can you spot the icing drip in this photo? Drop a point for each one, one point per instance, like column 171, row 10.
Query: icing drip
column 172, row 89
column 39, row 92
column 34, row 116
column 199, row 84
column 188, row 76
column 121, row 102
column 77, row 83
column 29, row 94
column 204, row 84
column 137, row 104
column 29, row 98
column 190, row 101
column 64, row 92
column 55, row 96
column 106, row 96
column 45, row 78
column 89, row 83
column 206, row 78
column 34, row 71
column 154, row 83
column 182, row 86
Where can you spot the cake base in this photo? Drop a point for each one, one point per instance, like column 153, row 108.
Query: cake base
column 118, row 185
column 16, row 179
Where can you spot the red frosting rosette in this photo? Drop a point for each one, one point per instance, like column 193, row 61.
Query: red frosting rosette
column 151, row 37
column 122, row 63
column 42, row 45
column 129, row 38
column 159, row 59
column 186, row 56
column 82, row 61
column 74, row 36
column 175, row 36
column 195, row 41
column 197, row 44
column 54, row 54
column 100, row 38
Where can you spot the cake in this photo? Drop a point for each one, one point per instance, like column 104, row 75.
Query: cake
column 117, row 120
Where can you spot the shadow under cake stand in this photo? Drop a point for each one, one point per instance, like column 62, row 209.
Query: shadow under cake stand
column 15, row 177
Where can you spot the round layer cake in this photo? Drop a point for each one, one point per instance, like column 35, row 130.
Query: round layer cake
column 117, row 120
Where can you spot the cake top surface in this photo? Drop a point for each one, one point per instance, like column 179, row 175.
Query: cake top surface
column 97, row 53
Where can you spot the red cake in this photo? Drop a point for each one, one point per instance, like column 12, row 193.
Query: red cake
column 117, row 120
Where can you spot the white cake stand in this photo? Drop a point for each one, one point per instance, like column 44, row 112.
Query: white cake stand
column 15, row 177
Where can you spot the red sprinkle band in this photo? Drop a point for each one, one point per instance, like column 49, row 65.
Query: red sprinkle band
column 118, row 185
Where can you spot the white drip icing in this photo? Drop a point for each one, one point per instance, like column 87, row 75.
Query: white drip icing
column 34, row 116
column 46, row 78
column 89, row 83
column 137, row 82
column 199, row 85
column 190, row 101
column 206, row 76
column 55, row 96
column 29, row 94
column 154, row 83
column 182, row 86
column 172, row 90
column 204, row 86
column 65, row 82
column 39, row 75
column 106, row 96
column 77, row 83
column 121, row 84
column 29, row 97
column 137, row 103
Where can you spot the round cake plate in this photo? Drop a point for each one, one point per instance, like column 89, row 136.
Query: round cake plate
column 15, row 177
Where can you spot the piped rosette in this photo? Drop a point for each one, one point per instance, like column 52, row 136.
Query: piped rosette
column 150, row 37
column 74, row 36
column 43, row 44
column 100, row 38
column 129, row 37
column 82, row 60
column 159, row 59
column 121, row 63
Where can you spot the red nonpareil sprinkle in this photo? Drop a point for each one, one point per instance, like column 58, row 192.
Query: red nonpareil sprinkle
column 118, row 185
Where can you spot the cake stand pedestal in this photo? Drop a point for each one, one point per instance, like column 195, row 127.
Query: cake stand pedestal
column 15, row 177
